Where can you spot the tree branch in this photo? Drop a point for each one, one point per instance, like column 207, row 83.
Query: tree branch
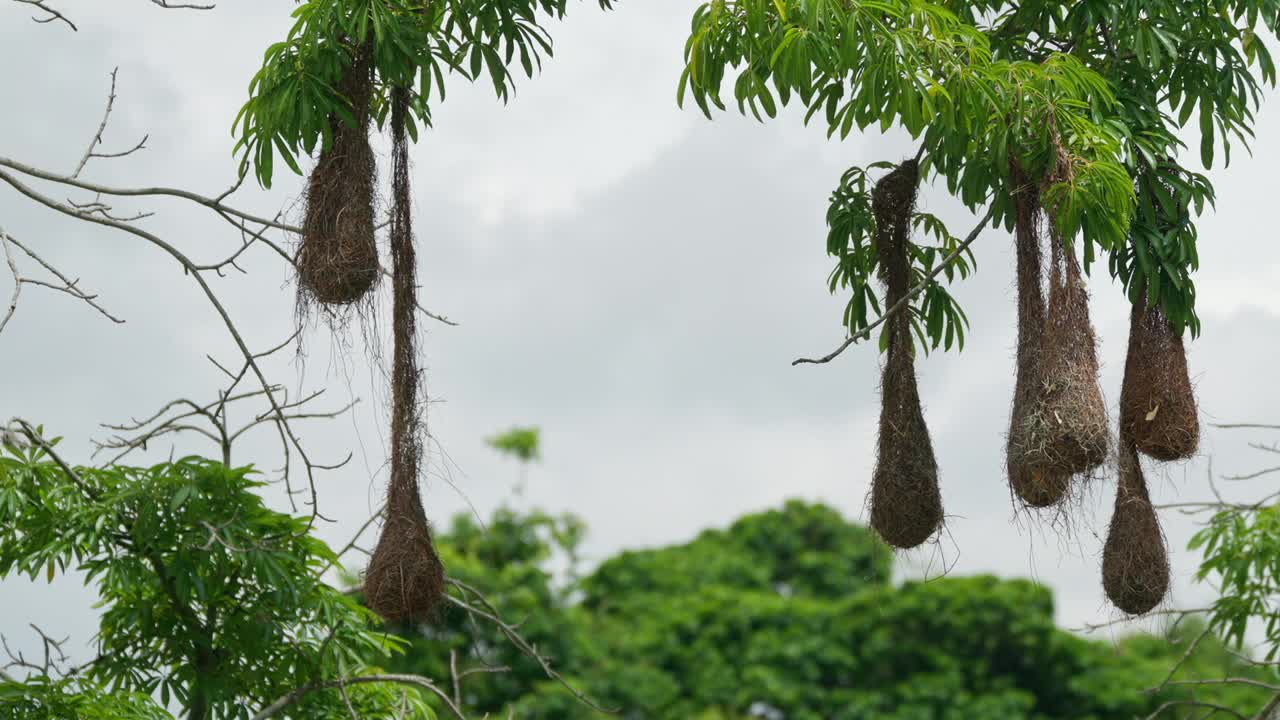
column 903, row 304
column 417, row 680
column 193, row 270
column 1195, row 703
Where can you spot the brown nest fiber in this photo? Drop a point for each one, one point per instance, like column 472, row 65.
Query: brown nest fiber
column 1135, row 561
column 1077, row 437
column 906, row 504
column 1030, row 477
column 338, row 258
column 1157, row 405
column 405, row 578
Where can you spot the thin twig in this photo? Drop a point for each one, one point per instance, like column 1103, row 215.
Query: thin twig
column 490, row 613
column 295, row 695
column 1191, row 648
column 1195, row 703
column 17, row 280
column 285, row 429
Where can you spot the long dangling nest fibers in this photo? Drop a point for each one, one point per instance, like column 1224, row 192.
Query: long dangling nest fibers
column 906, row 503
column 405, row 578
column 1030, row 477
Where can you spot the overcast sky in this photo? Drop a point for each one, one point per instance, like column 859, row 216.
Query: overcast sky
column 629, row 276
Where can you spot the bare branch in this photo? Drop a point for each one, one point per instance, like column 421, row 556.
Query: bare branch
column 1195, row 703
column 180, row 6
column 285, row 429
column 1191, row 648
column 1223, row 681
column 102, row 126
column 70, row 287
column 905, row 302
column 1179, row 614
column 428, row 313
column 487, row 611
column 417, row 680
column 53, row 15
column 17, row 280
column 212, row 203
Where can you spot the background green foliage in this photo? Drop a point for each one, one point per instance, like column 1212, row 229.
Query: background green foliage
column 790, row 610
column 213, row 603
column 1087, row 95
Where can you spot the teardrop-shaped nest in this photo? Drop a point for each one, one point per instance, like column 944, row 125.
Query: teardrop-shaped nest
column 405, row 579
column 1157, row 403
column 1077, row 436
column 338, row 259
column 1030, row 478
column 1135, row 561
column 906, row 503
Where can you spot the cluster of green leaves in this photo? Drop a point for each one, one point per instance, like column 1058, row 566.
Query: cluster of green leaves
column 210, row 600
column 788, row 613
column 936, row 317
column 294, row 99
column 44, row 698
column 1170, row 63
column 1241, row 550
column 1086, row 95
column 522, row 443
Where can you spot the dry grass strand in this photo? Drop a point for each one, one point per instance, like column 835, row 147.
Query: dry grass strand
column 405, row 578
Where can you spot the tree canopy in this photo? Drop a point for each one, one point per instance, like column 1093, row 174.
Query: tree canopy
column 415, row 45
column 1088, row 97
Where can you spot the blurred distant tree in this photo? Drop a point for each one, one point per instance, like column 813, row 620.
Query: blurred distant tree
column 522, row 443
column 790, row 614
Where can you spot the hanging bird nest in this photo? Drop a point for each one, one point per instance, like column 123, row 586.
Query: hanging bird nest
column 1135, row 561
column 906, row 503
column 1073, row 417
column 338, row 257
column 405, row 578
column 1031, row 479
column 1157, row 404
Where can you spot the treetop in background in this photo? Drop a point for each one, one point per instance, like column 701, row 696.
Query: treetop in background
column 791, row 610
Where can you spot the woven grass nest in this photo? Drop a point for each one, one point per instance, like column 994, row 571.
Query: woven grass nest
column 906, row 503
column 1157, row 403
column 1135, row 560
column 338, row 258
